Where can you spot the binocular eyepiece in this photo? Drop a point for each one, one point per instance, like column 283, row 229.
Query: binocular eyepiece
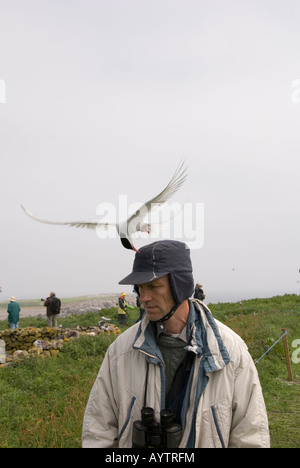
column 149, row 433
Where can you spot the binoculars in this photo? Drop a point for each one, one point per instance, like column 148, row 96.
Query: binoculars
column 149, row 433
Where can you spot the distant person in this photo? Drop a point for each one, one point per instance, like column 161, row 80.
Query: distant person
column 53, row 305
column 199, row 293
column 13, row 310
column 122, row 307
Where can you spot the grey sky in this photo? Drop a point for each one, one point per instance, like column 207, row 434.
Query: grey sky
column 106, row 97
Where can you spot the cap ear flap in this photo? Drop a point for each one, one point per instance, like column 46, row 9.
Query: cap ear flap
column 182, row 285
column 173, row 288
column 136, row 289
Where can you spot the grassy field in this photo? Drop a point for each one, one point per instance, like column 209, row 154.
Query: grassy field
column 42, row 401
column 40, row 303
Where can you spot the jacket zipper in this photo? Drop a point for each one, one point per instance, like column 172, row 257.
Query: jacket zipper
column 163, row 368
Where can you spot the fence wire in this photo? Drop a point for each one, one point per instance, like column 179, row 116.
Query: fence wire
column 271, row 347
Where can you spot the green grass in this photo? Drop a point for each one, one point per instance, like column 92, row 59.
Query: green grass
column 42, row 402
column 85, row 320
column 260, row 322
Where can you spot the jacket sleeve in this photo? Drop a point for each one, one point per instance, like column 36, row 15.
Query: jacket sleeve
column 100, row 424
column 249, row 427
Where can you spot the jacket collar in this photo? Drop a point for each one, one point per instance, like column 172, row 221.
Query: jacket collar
column 203, row 336
column 206, row 340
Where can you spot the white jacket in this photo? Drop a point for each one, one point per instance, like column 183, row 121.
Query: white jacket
column 223, row 406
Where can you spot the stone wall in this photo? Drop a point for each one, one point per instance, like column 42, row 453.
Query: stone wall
column 45, row 342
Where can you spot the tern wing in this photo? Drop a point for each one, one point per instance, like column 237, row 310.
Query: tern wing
column 173, row 186
column 77, row 224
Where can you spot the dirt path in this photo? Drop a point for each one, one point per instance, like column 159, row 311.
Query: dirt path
column 25, row 312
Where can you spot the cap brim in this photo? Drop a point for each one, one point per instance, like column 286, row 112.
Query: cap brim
column 141, row 277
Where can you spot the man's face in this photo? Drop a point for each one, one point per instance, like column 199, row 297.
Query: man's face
column 156, row 298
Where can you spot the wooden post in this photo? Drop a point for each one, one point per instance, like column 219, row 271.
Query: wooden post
column 287, row 355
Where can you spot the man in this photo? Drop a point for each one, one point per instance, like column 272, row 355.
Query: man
column 13, row 310
column 177, row 357
column 53, row 305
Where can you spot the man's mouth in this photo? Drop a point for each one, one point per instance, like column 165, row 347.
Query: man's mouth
column 150, row 308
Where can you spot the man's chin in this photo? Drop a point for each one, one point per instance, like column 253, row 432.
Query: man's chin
column 153, row 314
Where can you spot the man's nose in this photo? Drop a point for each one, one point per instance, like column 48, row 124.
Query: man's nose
column 145, row 295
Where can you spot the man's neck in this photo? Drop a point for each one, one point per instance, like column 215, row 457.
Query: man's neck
column 177, row 322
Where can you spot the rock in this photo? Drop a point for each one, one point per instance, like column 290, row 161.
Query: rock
column 19, row 354
column 43, row 344
column 35, row 351
column 2, row 352
column 107, row 301
column 72, row 334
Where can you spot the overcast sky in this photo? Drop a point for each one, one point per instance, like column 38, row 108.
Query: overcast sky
column 102, row 98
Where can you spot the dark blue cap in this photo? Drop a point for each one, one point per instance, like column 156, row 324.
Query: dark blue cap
column 167, row 257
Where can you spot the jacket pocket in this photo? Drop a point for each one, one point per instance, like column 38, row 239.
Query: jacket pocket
column 124, row 427
column 217, row 426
